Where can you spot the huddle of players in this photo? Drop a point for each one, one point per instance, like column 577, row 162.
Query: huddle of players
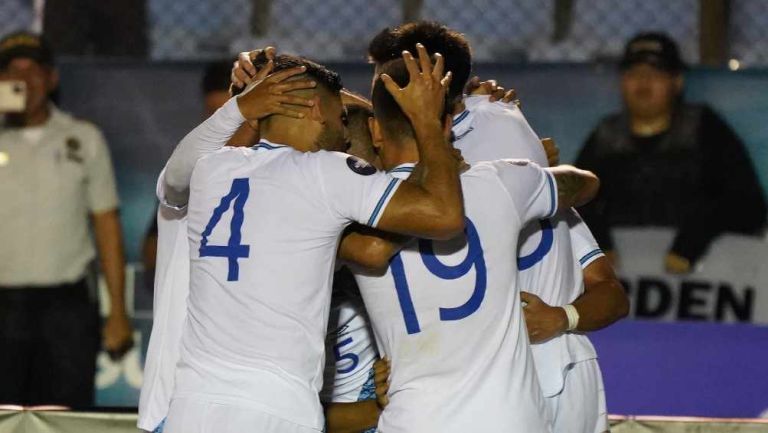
column 442, row 298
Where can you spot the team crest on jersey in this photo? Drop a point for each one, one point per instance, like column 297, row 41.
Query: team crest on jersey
column 360, row 166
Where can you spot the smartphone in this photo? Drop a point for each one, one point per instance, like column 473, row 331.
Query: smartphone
column 13, row 96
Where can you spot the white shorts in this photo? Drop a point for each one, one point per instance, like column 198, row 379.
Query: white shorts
column 580, row 406
column 193, row 416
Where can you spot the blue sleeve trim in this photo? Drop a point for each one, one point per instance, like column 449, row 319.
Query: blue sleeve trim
column 552, row 195
column 587, row 257
column 460, row 117
column 402, row 170
column 381, row 202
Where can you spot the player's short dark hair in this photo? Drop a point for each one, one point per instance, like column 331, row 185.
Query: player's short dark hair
column 357, row 122
column 324, row 76
column 390, row 43
column 387, row 111
column 216, row 76
column 359, row 113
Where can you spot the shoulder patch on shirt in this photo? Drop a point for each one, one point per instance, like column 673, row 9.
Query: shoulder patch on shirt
column 74, row 150
column 360, row 166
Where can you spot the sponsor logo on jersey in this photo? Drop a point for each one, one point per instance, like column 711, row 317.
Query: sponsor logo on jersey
column 360, row 166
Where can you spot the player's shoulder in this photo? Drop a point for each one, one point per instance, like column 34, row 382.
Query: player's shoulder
column 499, row 166
column 482, row 108
column 511, row 174
column 222, row 161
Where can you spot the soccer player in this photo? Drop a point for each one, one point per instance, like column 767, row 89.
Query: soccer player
column 171, row 286
column 348, row 391
column 264, row 224
column 572, row 285
column 448, row 313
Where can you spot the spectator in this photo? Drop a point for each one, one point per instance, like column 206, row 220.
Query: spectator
column 666, row 162
column 56, row 172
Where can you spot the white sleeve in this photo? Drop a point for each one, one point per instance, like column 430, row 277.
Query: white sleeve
column 100, row 186
column 354, row 190
column 506, row 132
column 585, row 247
column 532, row 189
column 208, row 137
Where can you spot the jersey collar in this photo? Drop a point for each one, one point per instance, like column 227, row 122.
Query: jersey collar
column 268, row 145
column 462, row 123
column 402, row 171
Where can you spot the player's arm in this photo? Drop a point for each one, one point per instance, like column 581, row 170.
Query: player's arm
column 432, row 206
column 538, row 193
column 602, row 303
column 575, row 187
column 354, row 417
column 369, row 248
column 604, row 300
column 263, row 98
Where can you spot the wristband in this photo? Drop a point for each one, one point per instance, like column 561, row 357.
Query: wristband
column 573, row 316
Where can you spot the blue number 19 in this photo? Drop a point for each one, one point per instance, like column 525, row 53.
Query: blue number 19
column 436, row 267
column 233, row 250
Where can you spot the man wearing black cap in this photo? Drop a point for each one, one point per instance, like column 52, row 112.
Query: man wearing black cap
column 664, row 162
column 55, row 171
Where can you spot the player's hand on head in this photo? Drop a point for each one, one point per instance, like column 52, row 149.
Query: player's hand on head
column 511, row 98
column 243, row 70
column 271, row 95
column 491, row 88
column 381, row 372
column 543, row 321
column 423, row 99
column 552, row 151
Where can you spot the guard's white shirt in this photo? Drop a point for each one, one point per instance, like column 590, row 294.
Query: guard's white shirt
column 169, row 312
column 51, row 178
column 448, row 314
column 264, row 225
column 552, row 252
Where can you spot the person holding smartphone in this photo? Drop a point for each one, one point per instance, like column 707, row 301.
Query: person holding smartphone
column 56, row 180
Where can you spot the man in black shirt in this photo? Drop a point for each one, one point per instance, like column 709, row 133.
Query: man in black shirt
column 664, row 162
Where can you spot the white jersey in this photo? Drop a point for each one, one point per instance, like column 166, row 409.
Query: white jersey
column 349, row 348
column 264, row 225
column 448, row 314
column 169, row 312
column 546, row 261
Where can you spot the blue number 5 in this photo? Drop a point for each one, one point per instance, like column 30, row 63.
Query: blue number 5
column 435, row 266
column 233, row 250
column 347, row 356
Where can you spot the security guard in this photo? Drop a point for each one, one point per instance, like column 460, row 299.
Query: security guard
column 55, row 172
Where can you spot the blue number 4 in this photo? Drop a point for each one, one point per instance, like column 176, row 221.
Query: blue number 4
column 234, row 249
column 436, row 267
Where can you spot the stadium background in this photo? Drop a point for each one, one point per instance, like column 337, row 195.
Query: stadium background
column 558, row 55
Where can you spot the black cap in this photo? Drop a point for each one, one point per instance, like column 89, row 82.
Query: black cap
column 25, row 44
column 655, row 49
